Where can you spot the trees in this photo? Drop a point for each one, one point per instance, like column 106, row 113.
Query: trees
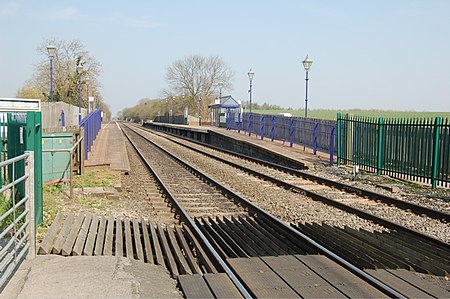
column 146, row 109
column 65, row 78
column 195, row 75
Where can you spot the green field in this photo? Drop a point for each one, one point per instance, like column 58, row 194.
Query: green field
column 331, row 114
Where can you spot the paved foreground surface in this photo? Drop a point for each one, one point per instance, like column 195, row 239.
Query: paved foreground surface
column 54, row 276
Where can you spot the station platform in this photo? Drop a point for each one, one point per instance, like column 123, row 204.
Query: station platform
column 297, row 152
column 109, row 149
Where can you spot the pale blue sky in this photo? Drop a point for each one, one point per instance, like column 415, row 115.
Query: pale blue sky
column 379, row 54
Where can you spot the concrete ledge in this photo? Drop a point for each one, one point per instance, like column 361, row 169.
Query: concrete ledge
column 53, row 276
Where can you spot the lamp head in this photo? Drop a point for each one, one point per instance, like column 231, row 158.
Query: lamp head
column 307, row 63
column 51, row 51
column 250, row 74
column 80, row 67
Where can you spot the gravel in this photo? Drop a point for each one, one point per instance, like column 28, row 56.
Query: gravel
column 284, row 204
column 296, row 208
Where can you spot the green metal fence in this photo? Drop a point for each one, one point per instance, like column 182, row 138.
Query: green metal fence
column 414, row 149
column 19, row 133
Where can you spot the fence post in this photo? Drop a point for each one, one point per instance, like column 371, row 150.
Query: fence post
column 436, row 133
column 338, row 139
column 316, row 125
column 226, row 121
column 34, row 143
column 249, row 126
column 29, row 191
column 272, row 131
column 380, row 146
column 239, row 122
column 262, row 127
column 291, row 133
column 332, row 147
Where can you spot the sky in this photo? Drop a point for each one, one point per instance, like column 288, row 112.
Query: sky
column 379, row 54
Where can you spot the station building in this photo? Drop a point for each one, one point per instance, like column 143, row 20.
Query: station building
column 222, row 106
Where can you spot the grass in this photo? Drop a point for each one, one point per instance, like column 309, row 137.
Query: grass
column 5, row 205
column 96, row 178
column 331, row 114
column 56, row 197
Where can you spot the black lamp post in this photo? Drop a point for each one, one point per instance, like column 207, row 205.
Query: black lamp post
column 307, row 65
column 220, row 89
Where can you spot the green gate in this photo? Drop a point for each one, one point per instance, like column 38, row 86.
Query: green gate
column 24, row 133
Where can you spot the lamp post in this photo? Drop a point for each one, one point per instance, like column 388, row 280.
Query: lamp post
column 182, row 104
column 79, row 70
column 87, row 94
column 200, row 104
column 167, row 108
column 220, row 89
column 171, row 109
column 250, row 77
column 51, row 54
column 307, row 65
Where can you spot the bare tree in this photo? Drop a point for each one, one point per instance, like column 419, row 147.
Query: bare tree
column 65, row 77
column 195, row 75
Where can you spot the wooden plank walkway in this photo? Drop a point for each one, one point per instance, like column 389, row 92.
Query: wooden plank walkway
column 109, row 149
column 140, row 239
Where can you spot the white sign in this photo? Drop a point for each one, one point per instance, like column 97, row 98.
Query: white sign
column 17, row 104
column 21, row 135
column 91, row 99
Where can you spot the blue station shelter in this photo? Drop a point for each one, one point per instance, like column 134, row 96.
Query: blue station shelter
column 221, row 107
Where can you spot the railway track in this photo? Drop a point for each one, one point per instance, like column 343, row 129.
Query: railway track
column 367, row 204
column 409, row 253
column 225, row 229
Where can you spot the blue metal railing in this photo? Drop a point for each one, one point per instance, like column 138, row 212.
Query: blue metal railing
column 318, row 134
column 91, row 124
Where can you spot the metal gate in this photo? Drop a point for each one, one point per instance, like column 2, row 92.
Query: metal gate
column 17, row 225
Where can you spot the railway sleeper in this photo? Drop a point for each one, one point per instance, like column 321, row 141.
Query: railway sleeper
column 174, row 247
column 389, row 243
column 375, row 258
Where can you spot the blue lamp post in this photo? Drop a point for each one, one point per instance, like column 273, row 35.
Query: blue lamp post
column 51, row 54
column 79, row 70
column 87, row 94
column 250, row 77
column 307, row 65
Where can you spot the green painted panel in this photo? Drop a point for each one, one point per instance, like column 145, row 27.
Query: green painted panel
column 56, row 165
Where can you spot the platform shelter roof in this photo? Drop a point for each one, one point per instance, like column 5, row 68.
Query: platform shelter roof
column 225, row 102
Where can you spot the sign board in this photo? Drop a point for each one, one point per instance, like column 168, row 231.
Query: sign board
column 91, row 99
column 17, row 104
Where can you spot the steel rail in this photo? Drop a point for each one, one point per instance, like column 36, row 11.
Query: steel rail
column 257, row 210
column 190, row 222
column 318, row 197
column 405, row 205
